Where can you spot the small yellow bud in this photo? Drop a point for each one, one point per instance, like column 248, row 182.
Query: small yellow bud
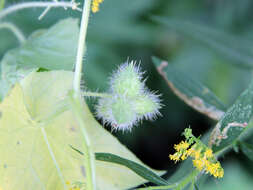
column 95, row 5
column 209, row 153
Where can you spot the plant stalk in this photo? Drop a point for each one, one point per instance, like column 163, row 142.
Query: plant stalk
column 18, row 34
column 81, row 48
column 26, row 5
column 76, row 105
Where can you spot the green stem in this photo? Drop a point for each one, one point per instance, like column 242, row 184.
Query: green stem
column 19, row 35
column 76, row 105
column 178, row 186
column 53, row 157
column 81, row 45
column 26, row 5
column 95, row 94
column 159, row 187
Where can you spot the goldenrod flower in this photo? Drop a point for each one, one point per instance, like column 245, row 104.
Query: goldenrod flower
column 203, row 158
column 190, row 152
column 95, row 5
column 209, row 153
column 215, row 169
column 197, row 154
column 199, row 164
column 175, row 157
column 183, row 145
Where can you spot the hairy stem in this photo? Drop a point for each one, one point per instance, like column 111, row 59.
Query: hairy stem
column 76, row 105
column 26, row 5
column 53, row 157
column 95, row 94
column 19, row 35
column 81, row 46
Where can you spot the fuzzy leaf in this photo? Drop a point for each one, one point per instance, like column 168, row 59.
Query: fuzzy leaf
column 41, row 101
column 190, row 91
column 52, row 49
column 233, row 122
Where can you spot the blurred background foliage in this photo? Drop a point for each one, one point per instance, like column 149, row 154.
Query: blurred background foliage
column 209, row 39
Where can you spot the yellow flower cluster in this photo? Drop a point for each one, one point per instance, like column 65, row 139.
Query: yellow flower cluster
column 206, row 161
column 203, row 158
column 95, row 5
column 181, row 151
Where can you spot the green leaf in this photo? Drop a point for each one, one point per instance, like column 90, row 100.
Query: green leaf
column 190, row 91
column 41, row 102
column 233, row 122
column 195, row 187
column 247, row 149
column 235, row 49
column 52, row 49
column 237, row 176
column 137, row 168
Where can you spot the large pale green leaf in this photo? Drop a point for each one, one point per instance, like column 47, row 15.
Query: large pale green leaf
column 233, row 122
column 52, row 49
column 40, row 102
column 190, row 91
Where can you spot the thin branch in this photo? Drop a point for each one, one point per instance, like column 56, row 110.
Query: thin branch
column 26, row 5
column 19, row 35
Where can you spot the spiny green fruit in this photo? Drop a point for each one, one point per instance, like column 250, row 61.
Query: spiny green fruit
column 117, row 111
column 129, row 100
column 147, row 106
column 127, row 80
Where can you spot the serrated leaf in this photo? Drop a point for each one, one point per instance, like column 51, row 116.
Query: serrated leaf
column 235, row 49
column 137, row 168
column 247, row 149
column 52, row 49
column 190, row 91
column 41, row 101
column 233, row 122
